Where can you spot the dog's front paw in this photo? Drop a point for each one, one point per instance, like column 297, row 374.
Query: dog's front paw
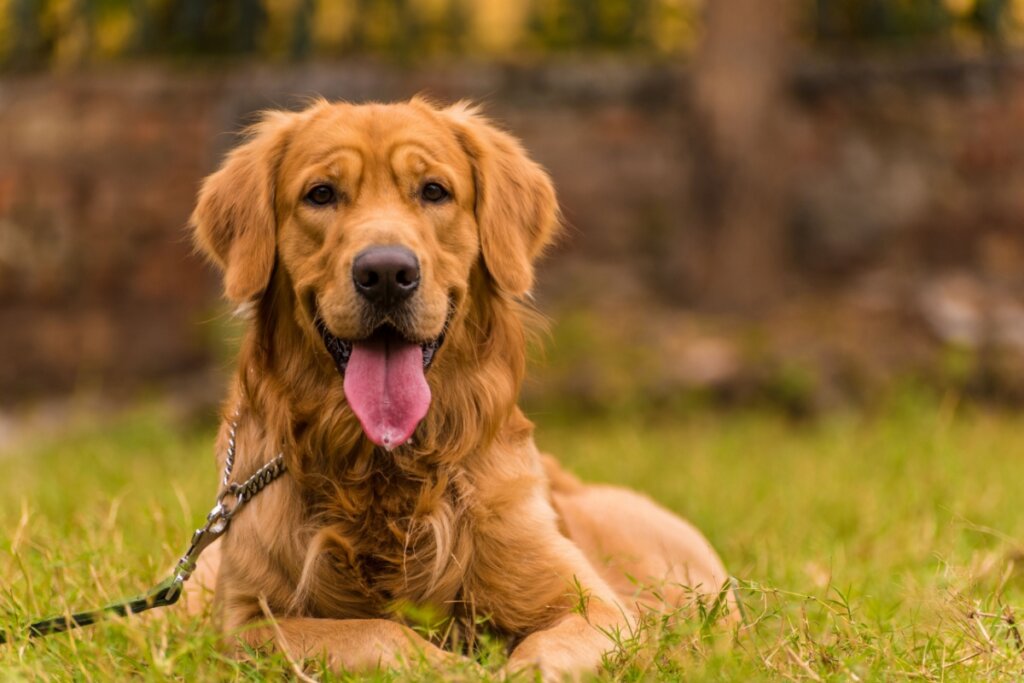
column 549, row 664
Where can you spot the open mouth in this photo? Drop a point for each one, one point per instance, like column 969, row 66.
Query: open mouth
column 341, row 349
column 385, row 382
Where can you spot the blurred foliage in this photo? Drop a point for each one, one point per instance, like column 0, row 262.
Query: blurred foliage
column 840, row 23
column 60, row 34
column 66, row 33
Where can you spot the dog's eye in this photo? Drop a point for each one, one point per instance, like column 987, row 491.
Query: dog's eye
column 434, row 192
column 321, row 195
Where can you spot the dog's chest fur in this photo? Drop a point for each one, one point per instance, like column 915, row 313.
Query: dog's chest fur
column 389, row 536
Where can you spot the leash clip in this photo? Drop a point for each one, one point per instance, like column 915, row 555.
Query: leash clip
column 216, row 524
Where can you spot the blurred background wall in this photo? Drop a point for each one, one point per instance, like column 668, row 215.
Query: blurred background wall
column 803, row 203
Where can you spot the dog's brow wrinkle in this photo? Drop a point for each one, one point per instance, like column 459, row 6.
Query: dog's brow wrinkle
column 326, row 157
column 331, row 153
column 426, row 155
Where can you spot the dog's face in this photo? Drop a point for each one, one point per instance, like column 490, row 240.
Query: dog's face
column 378, row 214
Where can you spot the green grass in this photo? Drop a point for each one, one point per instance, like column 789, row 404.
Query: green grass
column 868, row 547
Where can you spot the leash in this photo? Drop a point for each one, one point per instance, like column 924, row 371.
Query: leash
column 232, row 498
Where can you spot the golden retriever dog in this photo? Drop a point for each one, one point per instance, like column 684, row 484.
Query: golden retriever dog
column 384, row 253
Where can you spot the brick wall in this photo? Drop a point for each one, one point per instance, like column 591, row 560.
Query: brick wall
column 912, row 170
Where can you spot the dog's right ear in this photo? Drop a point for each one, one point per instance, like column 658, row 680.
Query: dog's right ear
column 234, row 221
column 516, row 210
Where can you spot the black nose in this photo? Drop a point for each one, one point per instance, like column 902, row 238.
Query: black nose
column 386, row 276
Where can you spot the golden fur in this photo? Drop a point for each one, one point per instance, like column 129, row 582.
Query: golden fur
column 468, row 518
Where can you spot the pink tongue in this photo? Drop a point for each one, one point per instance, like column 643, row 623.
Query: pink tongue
column 385, row 386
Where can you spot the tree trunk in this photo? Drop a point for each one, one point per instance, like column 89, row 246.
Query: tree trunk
column 741, row 167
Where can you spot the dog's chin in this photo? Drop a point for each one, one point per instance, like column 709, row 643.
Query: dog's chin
column 384, row 376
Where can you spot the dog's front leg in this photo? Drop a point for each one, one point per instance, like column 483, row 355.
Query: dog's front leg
column 346, row 644
column 536, row 582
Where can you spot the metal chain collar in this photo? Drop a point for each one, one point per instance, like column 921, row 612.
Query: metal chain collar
column 230, row 500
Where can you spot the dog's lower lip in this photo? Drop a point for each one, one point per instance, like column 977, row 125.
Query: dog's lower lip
column 340, row 350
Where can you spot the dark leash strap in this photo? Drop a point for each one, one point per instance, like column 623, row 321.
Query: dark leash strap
column 167, row 593
column 230, row 500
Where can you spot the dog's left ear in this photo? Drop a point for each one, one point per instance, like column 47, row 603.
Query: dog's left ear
column 234, row 221
column 516, row 209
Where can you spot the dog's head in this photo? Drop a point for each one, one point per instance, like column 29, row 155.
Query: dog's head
column 380, row 217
